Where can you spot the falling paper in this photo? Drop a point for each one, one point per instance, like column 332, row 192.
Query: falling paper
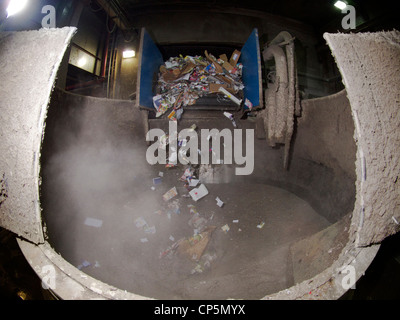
column 248, row 104
column 235, row 221
column 140, row 222
column 92, row 222
column 174, row 207
column 230, row 116
column 170, row 194
column 187, row 174
column 199, row 192
column 197, row 222
column 225, row 228
column 157, row 180
column 192, row 208
column 171, row 238
column 150, row 230
column 143, row 240
column 219, row 202
column 193, row 182
column 261, row 225
column 157, row 101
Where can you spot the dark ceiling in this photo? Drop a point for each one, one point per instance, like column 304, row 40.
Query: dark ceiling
column 319, row 14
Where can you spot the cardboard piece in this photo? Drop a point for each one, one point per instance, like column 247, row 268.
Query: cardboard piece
column 225, row 79
column 188, row 68
column 218, row 68
column 193, row 248
column 163, row 69
column 224, row 57
column 214, row 87
column 171, row 75
column 235, row 57
column 227, row 66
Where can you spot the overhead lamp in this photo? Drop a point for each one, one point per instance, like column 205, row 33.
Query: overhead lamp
column 81, row 62
column 340, row 5
column 129, row 53
column 16, row 6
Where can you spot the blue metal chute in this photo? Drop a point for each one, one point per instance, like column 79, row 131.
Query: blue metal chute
column 150, row 61
column 252, row 77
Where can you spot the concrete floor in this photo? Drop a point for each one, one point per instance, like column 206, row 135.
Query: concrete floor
column 249, row 262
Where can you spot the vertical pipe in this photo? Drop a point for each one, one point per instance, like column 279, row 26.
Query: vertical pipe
column 105, row 56
column 293, row 103
column 110, row 65
column 277, row 113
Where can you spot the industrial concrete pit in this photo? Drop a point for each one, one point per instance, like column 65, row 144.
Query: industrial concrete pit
column 105, row 215
column 86, row 204
column 105, row 211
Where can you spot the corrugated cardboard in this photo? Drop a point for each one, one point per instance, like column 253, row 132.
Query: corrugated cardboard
column 214, row 88
column 227, row 66
column 188, row 68
column 225, row 79
column 194, row 251
column 224, row 57
column 235, row 57
column 218, row 68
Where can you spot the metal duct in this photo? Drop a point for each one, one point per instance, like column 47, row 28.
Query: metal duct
column 282, row 109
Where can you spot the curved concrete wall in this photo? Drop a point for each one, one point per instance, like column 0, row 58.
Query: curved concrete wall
column 28, row 67
column 370, row 65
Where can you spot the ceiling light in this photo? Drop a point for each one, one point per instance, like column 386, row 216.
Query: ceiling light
column 15, row 6
column 81, row 62
column 128, row 54
column 341, row 5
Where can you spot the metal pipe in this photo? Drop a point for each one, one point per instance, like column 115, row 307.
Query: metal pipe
column 111, row 62
column 105, row 56
column 277, row 113
column 284, row 38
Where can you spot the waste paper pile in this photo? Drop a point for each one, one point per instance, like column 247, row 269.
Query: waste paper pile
column 183, row 80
